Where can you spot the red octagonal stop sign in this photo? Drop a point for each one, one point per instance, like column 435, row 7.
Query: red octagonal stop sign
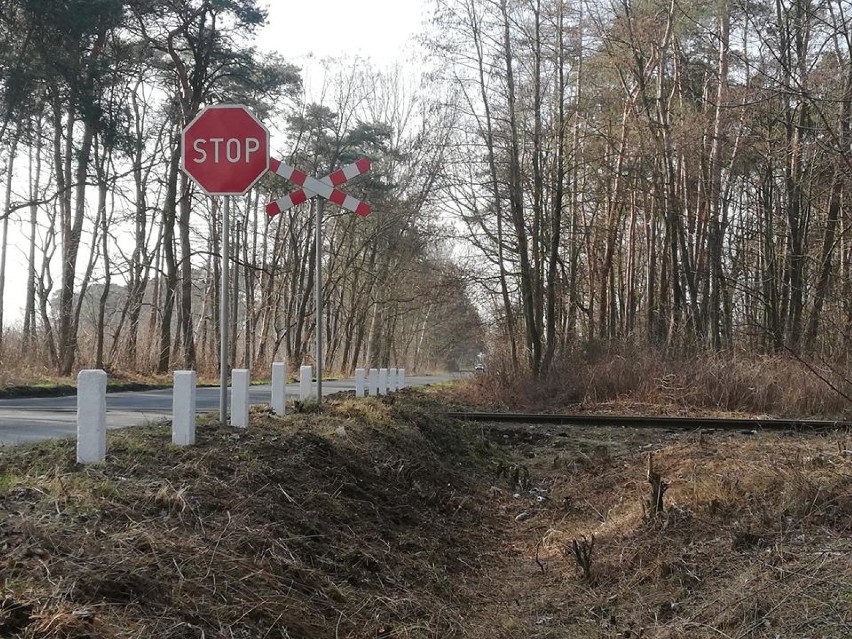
column 225, row 149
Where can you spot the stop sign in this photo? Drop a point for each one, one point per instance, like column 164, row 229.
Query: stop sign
column 225, row 149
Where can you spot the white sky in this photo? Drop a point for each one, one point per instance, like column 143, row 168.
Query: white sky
column 380, row 30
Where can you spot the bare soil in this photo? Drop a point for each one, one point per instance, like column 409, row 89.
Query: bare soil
column 384, row 519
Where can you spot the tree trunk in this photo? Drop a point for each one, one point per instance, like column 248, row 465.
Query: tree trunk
column 4, row 240
column 516, row 205
column 34, row 183
column 171, row 279
column 186, row 327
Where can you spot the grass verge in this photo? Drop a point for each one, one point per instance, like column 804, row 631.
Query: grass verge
column 752, row 541
column 356, row 521
column 637, row 382
column 380, row 519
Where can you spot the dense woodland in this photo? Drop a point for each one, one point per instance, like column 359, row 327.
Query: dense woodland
column 671, row 174
column 667, row 173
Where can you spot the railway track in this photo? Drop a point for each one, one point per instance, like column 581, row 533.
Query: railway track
column 678, row 423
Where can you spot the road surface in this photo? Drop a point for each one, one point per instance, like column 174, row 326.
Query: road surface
column 35, row 419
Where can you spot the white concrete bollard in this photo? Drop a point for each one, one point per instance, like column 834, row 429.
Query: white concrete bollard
column 359, row 382
column 393, row 384
column 374, row 382
column 383, row 381
column 91, row 416
column 183, row 408
column 279, row 388
column 305, row 385
column 240, row 384
column 400, row 382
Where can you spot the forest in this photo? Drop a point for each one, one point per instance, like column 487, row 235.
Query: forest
column 666, row 173
column 556, row 177
column 123, row 248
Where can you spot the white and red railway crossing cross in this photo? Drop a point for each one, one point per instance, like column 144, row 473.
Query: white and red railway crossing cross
column 325, row 187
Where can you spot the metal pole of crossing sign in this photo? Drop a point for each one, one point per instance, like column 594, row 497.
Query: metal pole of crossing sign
column 320, row 205
column 324, row 188
column 224, row 322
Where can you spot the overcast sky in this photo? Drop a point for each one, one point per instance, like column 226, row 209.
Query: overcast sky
column 381, row 30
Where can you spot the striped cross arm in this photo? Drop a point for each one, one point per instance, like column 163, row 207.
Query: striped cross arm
column 324, row 188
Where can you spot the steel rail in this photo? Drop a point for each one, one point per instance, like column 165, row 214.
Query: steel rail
column 645, row 421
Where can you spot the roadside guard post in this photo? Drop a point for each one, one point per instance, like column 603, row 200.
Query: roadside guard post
column 240, row 384
column 279, row 387
column 374, row 382
column 183, row 408
column 225, row 151
column 91, row 416
column 305, row 382
column 360, row 382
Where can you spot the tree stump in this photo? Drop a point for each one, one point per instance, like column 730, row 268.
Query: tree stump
column 654, row 505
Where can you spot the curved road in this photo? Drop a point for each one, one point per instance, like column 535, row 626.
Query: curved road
column 35, row 419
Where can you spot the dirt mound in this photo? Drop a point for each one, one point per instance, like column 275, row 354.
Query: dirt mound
column 350, row 522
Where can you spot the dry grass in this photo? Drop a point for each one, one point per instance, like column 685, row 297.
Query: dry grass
column 648, row 382
column 349, row 523
column 753, row 543
column 379, row 519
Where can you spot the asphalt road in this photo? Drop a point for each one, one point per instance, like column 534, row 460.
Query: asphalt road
column 29, row 420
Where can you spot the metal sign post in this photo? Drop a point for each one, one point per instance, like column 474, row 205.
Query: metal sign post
column 322, row 189
column 320, row 204
column 225, row 150
column 224, row 321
